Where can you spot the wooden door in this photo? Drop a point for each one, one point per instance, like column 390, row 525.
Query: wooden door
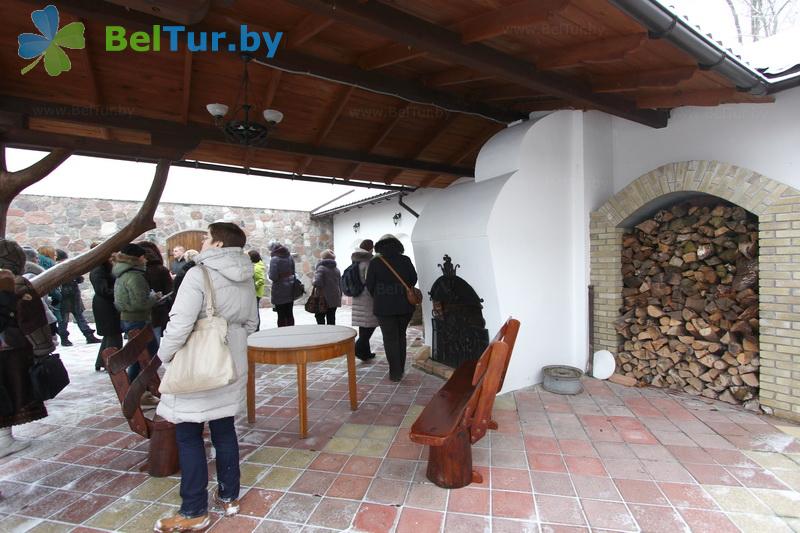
column 190, row 239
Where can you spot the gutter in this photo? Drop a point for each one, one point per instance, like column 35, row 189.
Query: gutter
column 661, row 23
column 372, row 200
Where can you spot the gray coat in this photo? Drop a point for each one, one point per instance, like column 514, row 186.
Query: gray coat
column 362, row 304
column 231, row 275
column 328, row 278
column 281, row 273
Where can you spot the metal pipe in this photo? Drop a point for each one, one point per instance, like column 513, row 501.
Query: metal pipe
column 406, row 207
column 662, row 23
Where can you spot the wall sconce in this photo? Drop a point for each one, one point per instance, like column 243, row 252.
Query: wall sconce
column 396, row 218
column 356, row 227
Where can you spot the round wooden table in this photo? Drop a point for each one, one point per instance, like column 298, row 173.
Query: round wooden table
column 299, row 345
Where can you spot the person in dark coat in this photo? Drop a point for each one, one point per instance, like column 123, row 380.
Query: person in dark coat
column 24, row 335
column 186, row 265
column 178, row 260
column 160, row 280
column 72, row 305
column 327, row 279
column 282, row 275
column 106, row 315
column 390, row 304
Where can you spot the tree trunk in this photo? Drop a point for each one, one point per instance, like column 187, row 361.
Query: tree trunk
column 13, row 183
column 143, row 221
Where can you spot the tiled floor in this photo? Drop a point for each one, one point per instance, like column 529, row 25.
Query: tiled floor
column 610, row 459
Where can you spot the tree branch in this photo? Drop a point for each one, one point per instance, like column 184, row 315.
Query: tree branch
column 142, row 221
column 735, row 20
column 14, row 183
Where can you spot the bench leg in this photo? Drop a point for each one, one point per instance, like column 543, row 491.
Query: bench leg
column 450, row 465
column 163, row 457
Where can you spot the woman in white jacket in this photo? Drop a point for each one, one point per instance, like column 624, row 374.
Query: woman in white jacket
column 231, row 275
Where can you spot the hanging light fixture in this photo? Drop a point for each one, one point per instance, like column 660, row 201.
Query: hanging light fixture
column 356, row 227
column 396, row 218
column 243, row 130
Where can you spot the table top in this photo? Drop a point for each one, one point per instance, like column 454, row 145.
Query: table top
column 293, row 337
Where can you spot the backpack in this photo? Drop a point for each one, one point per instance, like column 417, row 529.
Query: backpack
column 351, row 280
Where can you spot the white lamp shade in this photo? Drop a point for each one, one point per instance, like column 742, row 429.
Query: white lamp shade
column 273, row 116
column 217, row 110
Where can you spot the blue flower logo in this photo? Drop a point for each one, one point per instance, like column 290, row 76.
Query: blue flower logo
column 48, row 45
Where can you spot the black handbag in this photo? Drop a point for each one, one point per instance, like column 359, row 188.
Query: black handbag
column 298, row 289
column 48, row 377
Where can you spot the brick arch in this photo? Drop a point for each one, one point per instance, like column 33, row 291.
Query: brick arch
column 777, row 207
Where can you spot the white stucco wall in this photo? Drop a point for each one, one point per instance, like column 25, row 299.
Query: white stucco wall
column 760, row 137
column 376, row 220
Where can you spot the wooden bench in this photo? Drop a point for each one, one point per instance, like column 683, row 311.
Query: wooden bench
column 162, row 459
column 459, row 414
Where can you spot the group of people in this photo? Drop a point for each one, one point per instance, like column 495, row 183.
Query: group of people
column 133, row 288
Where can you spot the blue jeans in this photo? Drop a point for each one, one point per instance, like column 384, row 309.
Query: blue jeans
column 152, row 347
column 194, row 466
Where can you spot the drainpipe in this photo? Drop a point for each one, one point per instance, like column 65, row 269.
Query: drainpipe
column 406, row 207
column 662, row 23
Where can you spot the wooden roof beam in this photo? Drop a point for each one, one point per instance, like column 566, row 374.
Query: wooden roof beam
column 389, row 55
column 472, row 146
column 509, row 19
column 430, row 140
column 599, row 51
column 709, row 97
column 306, row 29
column 455, row 76
column 333, row 116
column 649, row 79
column 399, row 26
column 171, row 133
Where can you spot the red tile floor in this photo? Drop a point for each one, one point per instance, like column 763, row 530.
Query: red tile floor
column 609, row 459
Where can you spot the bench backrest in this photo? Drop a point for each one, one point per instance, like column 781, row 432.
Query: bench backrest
column 130, row 394
column 488, row 378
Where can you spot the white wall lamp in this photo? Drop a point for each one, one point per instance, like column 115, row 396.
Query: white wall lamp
column 356, row 227
column 396, row 218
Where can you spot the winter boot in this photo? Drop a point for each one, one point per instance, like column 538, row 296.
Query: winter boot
column 8, row 444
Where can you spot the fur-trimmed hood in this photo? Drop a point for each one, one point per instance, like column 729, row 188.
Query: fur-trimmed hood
column 360, row 255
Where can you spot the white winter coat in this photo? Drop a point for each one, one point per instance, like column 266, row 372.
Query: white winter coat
column 231, row 273
column 362, row 304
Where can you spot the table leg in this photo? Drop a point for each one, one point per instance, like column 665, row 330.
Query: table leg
column 251, row 392
column 351, row 377
column 301, row 398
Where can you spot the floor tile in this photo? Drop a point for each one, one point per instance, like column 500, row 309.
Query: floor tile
column 608, row 515
column 559, row 510
column 687, row 495
column 294, row 508
column 700, row 521
column 349, row 487
column 334, row 513
column 552, row 483
column 469, row 500
column 753, row 523
column 736, row 500
column 511, row 479
column 507, row 504
column 258, row 502
column 599, row 488
column 658, row 519
column 785, row 503
column 427, row 496
column 388, row 491
column 419, row 521
column 375, row 518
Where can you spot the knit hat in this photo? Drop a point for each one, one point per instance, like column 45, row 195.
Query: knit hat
column 12, row 257
column 328, row 254
column 367, row 245
column 31, row 254
column 134, row 250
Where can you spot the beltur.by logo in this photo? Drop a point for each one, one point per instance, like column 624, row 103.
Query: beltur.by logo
column 117, row 40
column 50, row 43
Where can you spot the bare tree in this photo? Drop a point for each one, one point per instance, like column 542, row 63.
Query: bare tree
column 766, row 17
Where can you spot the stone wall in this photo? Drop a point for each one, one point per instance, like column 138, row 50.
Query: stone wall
column 73, row 223
column 777, row 207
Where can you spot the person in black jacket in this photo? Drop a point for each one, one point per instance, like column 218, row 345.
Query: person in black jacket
column 106, row 315
column 160, row 280
column 72, row 305
column 390, row 304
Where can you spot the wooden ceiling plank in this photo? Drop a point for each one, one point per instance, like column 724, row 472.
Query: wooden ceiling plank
column 455, row 76
column 399, row 115
column 599, row 51
column 94, row 87
column 430, row 140
column 509, row 19
column 187, row 85
column 392, row 54
column 306, row 29
column 333, row 116
column 382, row 19
column 648, row 79
column 472, row 146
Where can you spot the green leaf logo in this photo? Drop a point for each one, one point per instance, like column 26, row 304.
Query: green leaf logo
column 50, row 43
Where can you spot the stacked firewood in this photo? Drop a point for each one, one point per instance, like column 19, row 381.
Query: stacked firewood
column 689, row 319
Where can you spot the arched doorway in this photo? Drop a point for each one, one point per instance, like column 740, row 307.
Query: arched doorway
column 777, row 207
column 189, row 239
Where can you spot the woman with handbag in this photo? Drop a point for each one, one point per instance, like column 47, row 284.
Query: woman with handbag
column 222, row 282
column 282, row 275
column 25, row 335
column 390, row 278
column 327, row 280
